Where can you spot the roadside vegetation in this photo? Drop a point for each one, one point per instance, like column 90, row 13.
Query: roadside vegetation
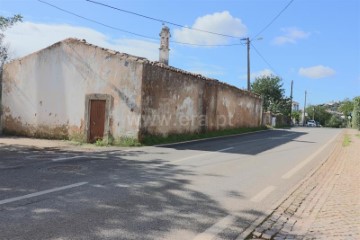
column 347, row 140
column 157, row 139
column 341, row 114
column 118, row 142
column 270, row 88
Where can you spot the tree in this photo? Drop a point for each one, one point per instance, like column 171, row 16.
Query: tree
column 320, row 114
column 334, row 122
column 270, row 89
column 296, row 116
column 346, row 107
column 5, row 23
column 356, row 113
column 283, row 106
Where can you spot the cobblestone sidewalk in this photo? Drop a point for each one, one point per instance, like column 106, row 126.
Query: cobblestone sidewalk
column 324, row 206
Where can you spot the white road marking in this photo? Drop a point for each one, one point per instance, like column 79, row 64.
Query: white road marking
column 215, row 229
column 41, row 193
column 263, row 194
column 66, row 158
column 75, row 157
column 33, row 156
column 202, row 154
column 289, row 134
column 295, row 169
column 225, row 149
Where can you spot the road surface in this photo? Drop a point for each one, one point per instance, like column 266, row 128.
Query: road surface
column 210, row 189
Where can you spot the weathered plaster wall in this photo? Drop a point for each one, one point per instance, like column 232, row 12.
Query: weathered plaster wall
column 44, row 93
column 175, row 101
column 238, row 108
column 170, row 101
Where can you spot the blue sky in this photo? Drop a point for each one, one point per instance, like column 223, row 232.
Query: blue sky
column 316, row 43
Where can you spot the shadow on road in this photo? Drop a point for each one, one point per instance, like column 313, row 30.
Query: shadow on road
column 251, row 144
column 124, row 199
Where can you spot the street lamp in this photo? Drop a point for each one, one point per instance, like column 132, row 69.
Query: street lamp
column 248, row 42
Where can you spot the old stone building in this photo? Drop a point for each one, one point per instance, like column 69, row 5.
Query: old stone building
column 74, row 88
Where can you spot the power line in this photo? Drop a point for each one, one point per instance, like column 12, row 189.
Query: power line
column 262, row 57
column 160, row 20
column 97, row 22
column 133, row 33
column 273, row 20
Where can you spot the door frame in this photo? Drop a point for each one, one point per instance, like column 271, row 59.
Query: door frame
column 108, row 104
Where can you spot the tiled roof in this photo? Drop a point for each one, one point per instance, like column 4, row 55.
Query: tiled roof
column 143, row 60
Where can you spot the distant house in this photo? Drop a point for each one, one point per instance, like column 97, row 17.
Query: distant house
column 73, row 88
column 295, row 106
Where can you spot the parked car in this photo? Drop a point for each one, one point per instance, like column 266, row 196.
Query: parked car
column 311, row 123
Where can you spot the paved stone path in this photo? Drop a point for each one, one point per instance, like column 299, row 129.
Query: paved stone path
column 326, row 205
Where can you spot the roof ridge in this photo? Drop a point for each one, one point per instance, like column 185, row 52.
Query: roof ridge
column 137, row 59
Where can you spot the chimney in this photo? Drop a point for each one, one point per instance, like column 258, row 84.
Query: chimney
column 164, row 45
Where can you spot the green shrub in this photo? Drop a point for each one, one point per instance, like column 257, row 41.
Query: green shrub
column 335, row 122
column 356, row 113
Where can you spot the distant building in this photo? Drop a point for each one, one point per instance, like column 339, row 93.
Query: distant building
column 295, row 106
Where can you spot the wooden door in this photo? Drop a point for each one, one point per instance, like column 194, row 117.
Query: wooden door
column 97, row 120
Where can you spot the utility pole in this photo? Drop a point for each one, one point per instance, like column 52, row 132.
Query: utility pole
column 291, row 99
column 248, row 42
column 304, row 110
column 248, row 63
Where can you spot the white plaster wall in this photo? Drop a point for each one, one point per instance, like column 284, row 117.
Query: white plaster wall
column 46, row 90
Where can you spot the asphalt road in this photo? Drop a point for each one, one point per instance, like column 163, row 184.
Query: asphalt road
column 212, row 189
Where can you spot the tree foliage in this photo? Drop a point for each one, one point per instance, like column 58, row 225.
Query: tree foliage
column 270, row 89
column 356, row 113
column 319, row 113
column 296, row 116
column 346, row 107
column 5, row 23
column 335, row 122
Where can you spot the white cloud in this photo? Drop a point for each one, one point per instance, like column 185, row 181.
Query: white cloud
column 220, row 22
column 291, row 35
column 317, row 72
column 211, row 73
column 27, row 37
column 262, row 73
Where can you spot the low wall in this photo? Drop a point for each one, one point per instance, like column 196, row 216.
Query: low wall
column 280, row 120
column 175, row 101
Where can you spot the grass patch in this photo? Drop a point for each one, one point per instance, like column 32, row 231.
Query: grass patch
column 119, row 142
column 154, row 140
column 77, row 139
column 101, row 143
column 358, row 135
column 126, row 142
column 346, row 141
